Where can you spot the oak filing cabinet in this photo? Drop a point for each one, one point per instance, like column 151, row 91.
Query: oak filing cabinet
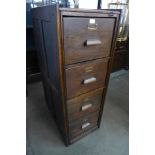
column 75, row 50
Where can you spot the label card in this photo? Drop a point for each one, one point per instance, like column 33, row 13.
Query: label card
column 92, row 21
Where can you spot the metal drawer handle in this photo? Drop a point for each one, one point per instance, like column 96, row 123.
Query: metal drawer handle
column 92, row 27
column 85, row 107
column 85, row 125
column 91, row 42
column 90, row 80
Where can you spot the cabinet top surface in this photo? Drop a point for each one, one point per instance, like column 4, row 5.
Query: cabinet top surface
column 80, row 10
column 90, row 10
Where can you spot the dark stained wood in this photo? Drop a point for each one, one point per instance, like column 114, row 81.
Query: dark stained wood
column 76, row 129
column 76, row 75
column 77, row 32
column 33, row 73
column 90, row 13
column 62, row 76
column 73, row 140
column 104, row 12
column 97, row 13
column 48, row 42
column 84, row 104
column 68, row 66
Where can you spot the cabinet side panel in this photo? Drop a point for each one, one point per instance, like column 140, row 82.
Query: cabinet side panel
column 51, row 49
column 42, row 59
column 39, row 44
column 49, row 58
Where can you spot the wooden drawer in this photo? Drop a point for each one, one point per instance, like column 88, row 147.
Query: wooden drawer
column 85, row 77
column 84, row 104
column 82, row 125
column 86, row 40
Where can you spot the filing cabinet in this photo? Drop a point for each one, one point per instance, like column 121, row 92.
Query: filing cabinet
column 75, row 50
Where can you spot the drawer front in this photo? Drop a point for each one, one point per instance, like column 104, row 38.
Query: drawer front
column 82, row 125
column 85, row 77
column 84, row 104
column 87, row 38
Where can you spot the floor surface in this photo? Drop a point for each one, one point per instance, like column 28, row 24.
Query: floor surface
column 112, row 138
